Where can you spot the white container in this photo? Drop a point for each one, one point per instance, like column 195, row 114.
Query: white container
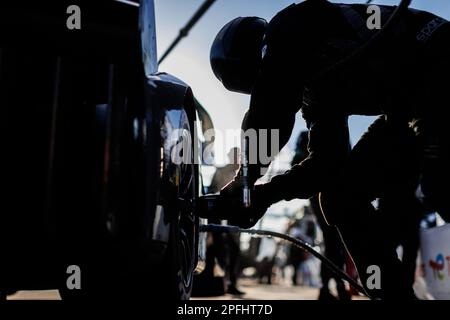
column 435, row 250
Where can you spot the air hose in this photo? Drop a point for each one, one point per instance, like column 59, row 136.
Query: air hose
column 295, row 241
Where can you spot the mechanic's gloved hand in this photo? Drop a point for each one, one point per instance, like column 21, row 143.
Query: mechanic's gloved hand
column 238, row 215
column 232, row 192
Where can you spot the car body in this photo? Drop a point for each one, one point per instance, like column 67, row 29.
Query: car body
column 89, row 125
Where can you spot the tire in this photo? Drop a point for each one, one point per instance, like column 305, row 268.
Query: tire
column 177, row 268
column 114, row 244
column 114, row 273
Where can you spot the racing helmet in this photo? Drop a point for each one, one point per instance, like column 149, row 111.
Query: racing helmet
column 236, row 53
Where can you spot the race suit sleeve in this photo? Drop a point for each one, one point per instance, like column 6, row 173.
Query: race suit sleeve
column 328, row 147
column 279, row 93
column 276, row 98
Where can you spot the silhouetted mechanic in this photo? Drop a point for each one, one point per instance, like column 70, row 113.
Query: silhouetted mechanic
column 334, row 248
column 279, row 64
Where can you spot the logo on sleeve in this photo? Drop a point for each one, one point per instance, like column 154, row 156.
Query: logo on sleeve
column 430, row 28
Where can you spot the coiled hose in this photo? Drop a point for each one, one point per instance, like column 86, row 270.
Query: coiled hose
column 297, row 242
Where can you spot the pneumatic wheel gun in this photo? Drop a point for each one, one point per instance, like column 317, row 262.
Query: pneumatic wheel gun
column 213, row 206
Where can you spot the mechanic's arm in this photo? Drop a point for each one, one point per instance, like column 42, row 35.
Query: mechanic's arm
column 329, row 146
column 276, row 96
column 328, row 149
column 272, row 110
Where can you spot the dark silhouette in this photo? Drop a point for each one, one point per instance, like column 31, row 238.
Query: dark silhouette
column 334, row 248
column 304, row 60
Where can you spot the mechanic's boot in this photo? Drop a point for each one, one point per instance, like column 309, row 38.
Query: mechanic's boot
column 325, row 295
column 343, row 293
column 234, row 291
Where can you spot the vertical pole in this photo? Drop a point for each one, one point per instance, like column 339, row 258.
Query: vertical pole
column 147, row 27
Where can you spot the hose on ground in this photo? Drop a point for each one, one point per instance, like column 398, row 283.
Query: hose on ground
column 297, row 242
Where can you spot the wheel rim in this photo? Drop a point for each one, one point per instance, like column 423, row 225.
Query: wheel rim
column 181, row 177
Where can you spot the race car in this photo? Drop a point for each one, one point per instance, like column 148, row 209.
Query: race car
column 94, row 203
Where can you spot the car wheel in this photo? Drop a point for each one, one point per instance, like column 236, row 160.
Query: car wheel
column 178, row 191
